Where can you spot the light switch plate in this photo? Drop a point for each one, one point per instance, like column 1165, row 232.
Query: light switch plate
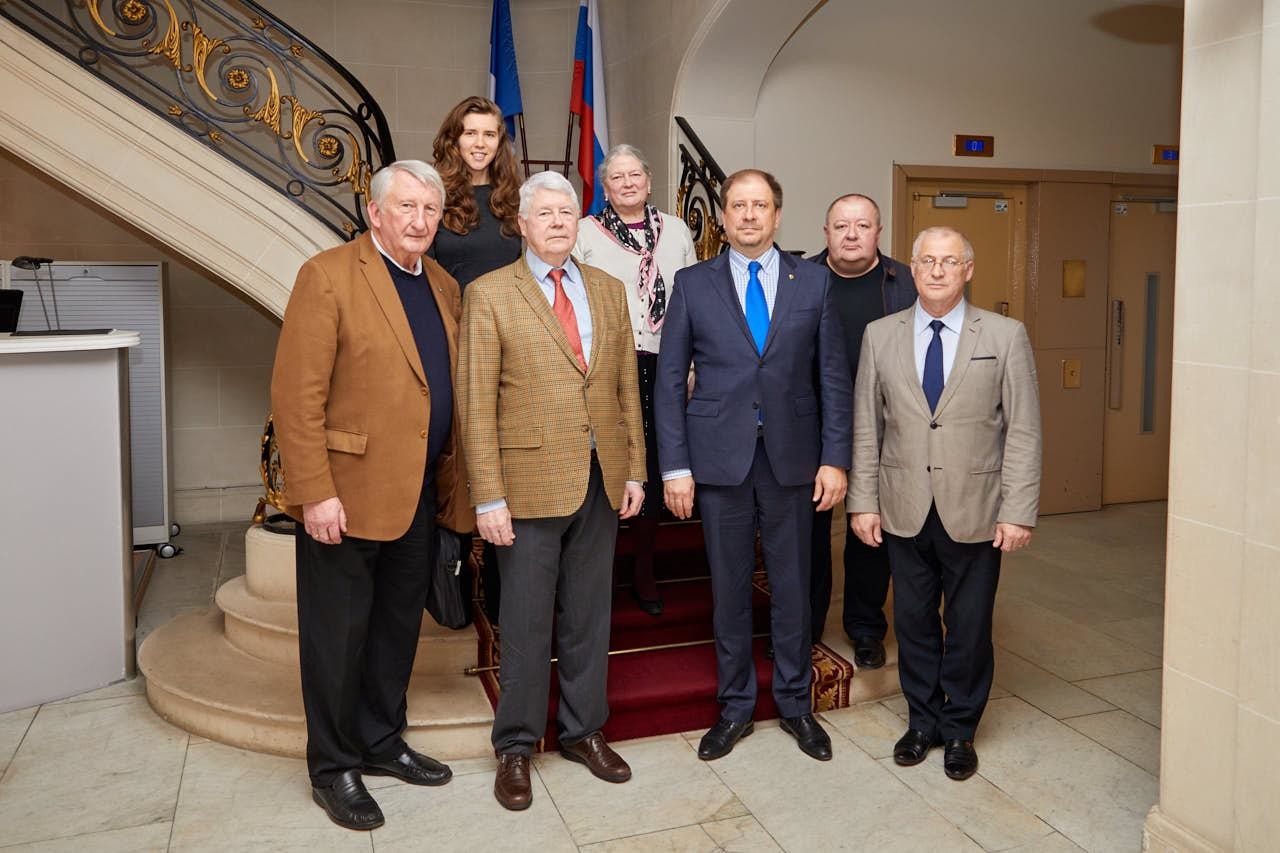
column 1071, row 373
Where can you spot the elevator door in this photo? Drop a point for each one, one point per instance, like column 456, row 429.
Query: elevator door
column 994, row 218
column 1135, row 457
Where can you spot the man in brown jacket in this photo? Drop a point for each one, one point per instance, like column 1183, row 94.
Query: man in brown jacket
column 551, row 424
column 363, row 409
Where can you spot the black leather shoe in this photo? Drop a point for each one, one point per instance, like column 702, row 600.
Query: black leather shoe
column 652, row 606
column 412, row 767
column 347, row 803
column 960, row 759
column 814, row 742
column 720, row 738
column 868, row 652
column 912, row 748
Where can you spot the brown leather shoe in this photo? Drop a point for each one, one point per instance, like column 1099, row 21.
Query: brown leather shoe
column 511, row 785
column 600, row 759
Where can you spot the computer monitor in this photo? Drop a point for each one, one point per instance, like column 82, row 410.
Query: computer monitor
column 10, row 308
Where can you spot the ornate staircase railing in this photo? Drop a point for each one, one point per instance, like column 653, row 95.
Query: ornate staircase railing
column 238, row 79
column 698, row 193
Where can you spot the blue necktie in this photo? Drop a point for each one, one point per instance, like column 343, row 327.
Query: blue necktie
column 756, row 307
column 933, row 367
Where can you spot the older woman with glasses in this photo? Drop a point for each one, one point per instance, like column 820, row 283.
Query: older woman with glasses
column 635, row 243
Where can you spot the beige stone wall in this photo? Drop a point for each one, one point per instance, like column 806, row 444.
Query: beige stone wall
column 418, row 58
column 644, row 44
column 220, row 346
column 855, row 91
column 1221, row 720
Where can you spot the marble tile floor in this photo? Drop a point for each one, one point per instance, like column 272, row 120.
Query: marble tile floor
column 1069, row 747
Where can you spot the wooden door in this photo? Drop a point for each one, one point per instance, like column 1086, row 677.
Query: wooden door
column 1135, row 458
column 994, row 218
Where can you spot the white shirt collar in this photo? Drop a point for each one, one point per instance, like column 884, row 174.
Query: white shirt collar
column 417, row 269
column 952, row 320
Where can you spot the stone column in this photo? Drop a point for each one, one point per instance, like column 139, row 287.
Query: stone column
column 1220, row 748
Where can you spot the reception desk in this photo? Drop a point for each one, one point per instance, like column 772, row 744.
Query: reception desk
column 66, row 620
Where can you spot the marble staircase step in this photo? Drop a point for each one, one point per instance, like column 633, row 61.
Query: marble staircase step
column 268, row 629
column 198, row 680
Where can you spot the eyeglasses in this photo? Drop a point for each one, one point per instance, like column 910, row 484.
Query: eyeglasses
column 949, row 263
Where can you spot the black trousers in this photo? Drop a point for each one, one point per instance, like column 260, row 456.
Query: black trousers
column 866, row 582
column 563, row 568
column 730, row 517
column 946, row 682
column 360, row 606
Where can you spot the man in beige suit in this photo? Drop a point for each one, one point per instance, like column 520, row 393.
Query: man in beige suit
column 363, row 410
column 946, row 474
column 551, row 425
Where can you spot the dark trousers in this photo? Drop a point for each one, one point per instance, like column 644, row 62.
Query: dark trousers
column 783, row 515
column 561, row 568
column 359, row 614
column 866, row 582
column 946, row 682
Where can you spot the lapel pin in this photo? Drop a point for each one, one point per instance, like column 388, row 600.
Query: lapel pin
column 791, row 275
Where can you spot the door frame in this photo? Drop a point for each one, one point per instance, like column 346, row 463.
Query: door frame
column 903, row 173
column 900, row 240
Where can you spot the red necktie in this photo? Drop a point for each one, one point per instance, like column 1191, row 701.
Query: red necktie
column 563, row 309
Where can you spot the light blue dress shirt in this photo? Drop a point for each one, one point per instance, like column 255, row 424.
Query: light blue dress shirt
column 740, row 267
column 952, row 323
column 574, row 288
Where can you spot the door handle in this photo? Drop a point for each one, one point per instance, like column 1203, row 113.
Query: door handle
column 1115, row 355
column 1004, row 308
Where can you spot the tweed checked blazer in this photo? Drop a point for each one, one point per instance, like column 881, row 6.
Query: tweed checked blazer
column 977, row 457
column 529, row 412
column 349, row 397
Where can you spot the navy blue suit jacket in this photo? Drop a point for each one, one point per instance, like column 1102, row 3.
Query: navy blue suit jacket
column 801, row 381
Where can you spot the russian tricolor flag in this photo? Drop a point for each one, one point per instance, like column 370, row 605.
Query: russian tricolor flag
column 587, row 102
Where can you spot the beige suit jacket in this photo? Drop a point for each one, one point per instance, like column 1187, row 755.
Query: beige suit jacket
column 529, row 412
column 977, row 457
column 349, row 397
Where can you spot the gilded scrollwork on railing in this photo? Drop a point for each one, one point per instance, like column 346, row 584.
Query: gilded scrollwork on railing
column 698, row 194
column 238, row 79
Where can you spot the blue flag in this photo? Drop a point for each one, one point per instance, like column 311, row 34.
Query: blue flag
column 504, row 80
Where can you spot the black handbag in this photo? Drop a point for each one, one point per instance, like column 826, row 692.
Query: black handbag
column 448, row 599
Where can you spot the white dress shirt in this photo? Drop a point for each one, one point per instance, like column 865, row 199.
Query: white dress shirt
column 417, row 267
column 952, row 323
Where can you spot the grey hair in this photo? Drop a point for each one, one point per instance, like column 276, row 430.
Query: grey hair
column 551, row 181
column 942, row 231
column 622, row 149
column 424, row 173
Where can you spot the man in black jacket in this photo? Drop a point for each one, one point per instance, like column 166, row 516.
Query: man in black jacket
column 866, row 286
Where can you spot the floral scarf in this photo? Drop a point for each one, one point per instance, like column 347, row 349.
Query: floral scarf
column 653, row 290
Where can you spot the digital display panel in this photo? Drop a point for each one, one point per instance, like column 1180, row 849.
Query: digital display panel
column 970, row 145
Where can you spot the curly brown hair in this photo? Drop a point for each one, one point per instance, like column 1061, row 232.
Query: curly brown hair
column 460, row 213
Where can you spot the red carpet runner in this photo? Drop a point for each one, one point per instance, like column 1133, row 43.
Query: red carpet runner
column 665, row 690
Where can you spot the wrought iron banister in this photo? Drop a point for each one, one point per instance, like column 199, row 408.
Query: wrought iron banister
column 698, row 193
column 238, row 79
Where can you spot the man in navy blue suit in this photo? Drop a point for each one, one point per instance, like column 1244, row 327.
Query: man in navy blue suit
column 765, row 436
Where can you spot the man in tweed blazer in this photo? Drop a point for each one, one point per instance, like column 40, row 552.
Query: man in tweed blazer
column 946, row 473
column 552, row 430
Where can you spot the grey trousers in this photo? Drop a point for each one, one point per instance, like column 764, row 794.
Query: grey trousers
column 561, row 567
